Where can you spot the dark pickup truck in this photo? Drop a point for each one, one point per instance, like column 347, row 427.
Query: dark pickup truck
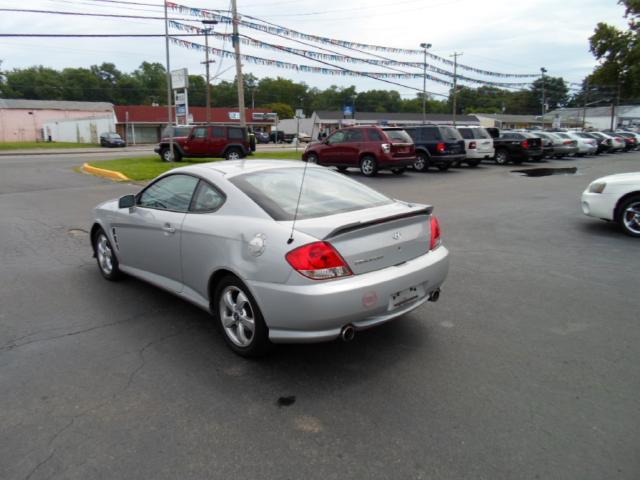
column 515, row 147
column 217, row 141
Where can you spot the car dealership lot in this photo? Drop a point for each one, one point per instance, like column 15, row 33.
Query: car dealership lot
column 525, row 368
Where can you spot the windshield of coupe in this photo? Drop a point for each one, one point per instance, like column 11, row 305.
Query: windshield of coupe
column 324, row 193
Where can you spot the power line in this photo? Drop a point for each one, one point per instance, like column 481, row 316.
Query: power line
column 86, row 14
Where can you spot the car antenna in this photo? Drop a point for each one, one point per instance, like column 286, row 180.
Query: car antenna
column 295, row 215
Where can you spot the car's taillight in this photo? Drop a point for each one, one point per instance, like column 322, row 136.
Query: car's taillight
column 435, row 233
column 318, row 261
column 567, row 142
column 472, row 145
column 386, row 147
column 525, row 144
column 441, row 147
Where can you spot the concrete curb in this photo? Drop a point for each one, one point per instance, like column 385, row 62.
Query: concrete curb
column 101, row 172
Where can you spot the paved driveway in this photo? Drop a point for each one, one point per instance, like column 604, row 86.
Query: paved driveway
column 527, row 367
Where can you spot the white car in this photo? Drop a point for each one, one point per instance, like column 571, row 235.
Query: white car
column 615, row 198
column 478, row 144
column 617, row 143
column 586, row 146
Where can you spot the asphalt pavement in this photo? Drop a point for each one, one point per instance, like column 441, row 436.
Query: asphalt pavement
column 527, row 367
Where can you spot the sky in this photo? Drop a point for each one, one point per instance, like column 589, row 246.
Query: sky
column 505, row 36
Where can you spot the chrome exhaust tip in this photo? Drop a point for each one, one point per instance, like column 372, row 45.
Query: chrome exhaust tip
column 347, row 333
column 435, row 295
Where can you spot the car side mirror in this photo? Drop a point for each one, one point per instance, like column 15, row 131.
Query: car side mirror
column 127, row 201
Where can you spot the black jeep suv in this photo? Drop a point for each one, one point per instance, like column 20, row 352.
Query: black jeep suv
column 436, row 145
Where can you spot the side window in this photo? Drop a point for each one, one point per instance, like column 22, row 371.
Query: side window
column 413, row 133
column 217, row 132
column 338, row 137
column 206, row 198
column 169, row 193
column 200, row 132
column 374, row 135
column 507, row 135
column 236, row 133
column 355, row 136
column 430, row 133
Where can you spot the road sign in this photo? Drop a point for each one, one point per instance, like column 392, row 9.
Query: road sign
column 299, row 113
column 179, row 79
column 181, row 110
column 347, row 110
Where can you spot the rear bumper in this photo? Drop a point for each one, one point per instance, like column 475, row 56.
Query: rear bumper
column 447, row 159
column 474, row 154
column 391, row 162
column 317, row 312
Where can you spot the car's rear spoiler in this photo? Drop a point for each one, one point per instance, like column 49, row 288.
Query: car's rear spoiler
column 350, row 227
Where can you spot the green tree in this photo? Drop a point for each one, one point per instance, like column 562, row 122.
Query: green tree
column 36, row 83
column 282, row 109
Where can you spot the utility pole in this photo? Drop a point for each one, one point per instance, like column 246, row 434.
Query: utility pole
column 544, row 100
column 586, row 99
column 613, row 107
column 425, row 46
column 239, row 79
column 455, row 84
column 207, row 62
column 169, row 113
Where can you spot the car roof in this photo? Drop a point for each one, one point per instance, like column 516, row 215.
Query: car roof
column 231, row 168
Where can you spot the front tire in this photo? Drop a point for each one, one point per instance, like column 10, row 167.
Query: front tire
column 166, row 155
column 312, row 158
column 369, row 166
column 629, row 216
column 106, row 257
column 240, row 318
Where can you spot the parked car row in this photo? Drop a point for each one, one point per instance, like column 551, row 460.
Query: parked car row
column 371, row 148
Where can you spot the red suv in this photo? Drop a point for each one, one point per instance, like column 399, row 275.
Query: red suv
column 369, row 148
column 230, row 142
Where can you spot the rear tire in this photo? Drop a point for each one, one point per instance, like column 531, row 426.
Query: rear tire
column 369, row 166
column 233, row 154
column 501, row 157
column 240, row 319
column 422, row 162
column 312, row 158
column 165, row 154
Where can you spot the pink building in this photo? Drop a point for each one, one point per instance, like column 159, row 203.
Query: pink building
column 23, row 120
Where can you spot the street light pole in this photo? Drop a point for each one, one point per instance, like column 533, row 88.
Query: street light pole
column 455, row 84
column 169, row 113
column 207, row 62
column 425, row 46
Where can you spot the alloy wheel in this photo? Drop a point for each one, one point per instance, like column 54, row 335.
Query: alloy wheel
column 105, row 254
column 631, row 218
column 236, row 313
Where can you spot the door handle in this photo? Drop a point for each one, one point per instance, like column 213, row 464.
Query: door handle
column 168, row 228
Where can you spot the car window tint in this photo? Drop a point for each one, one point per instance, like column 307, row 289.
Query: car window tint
column 200, row 132
column 356, row 135
column 398, row 136
column 338, row 137
column 206, row 198
column 430, row 133
column 324, row 192
column 236, row 133
column 374, row 135
column 466, row 133
column 169, row 193
column 217, row 132
column 480, row 133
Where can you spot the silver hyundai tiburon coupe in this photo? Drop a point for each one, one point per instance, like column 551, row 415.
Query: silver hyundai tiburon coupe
column 222, row 235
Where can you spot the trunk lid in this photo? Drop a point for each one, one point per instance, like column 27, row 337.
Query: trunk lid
column 374, row 238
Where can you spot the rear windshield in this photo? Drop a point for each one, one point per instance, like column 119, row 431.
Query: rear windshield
column 324, row 192
column 473, row 133
column 399, row 136
column 450, row 133
column 563, row 135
